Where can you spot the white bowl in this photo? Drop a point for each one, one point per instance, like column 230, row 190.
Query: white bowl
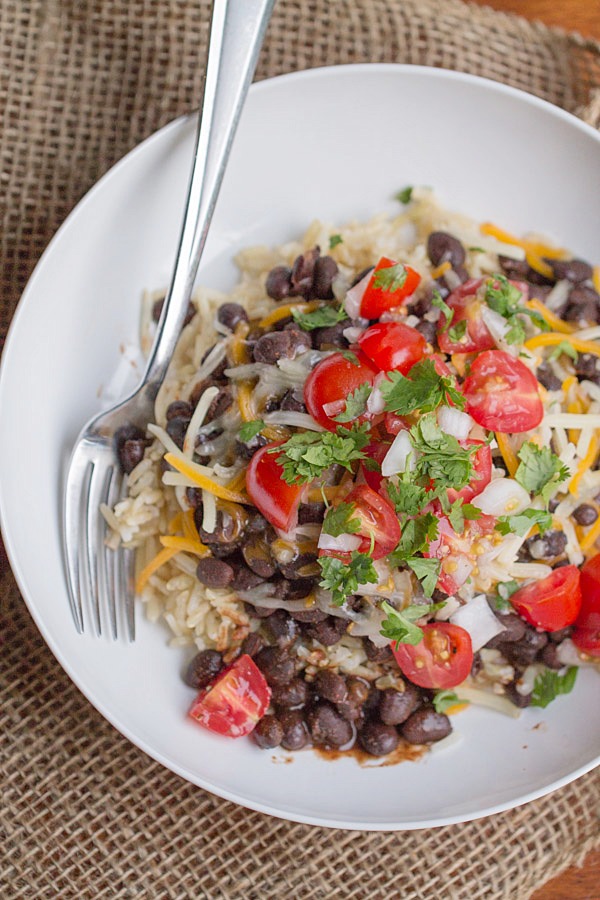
column 334, row 144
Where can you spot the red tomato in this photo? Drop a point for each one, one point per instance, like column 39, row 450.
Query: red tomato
column 482, row 473
column 235, row 701
column 502, row 393
column 441, row 660
column 439, row 365
column 466, row 304
column 277, row 500
column 552, row 603
column 394, row 424
column 392, row 346
column 456, row 551
column 378, row 523
column 330, row 383
column 586, row 635
column 376, row 451
column 377, row 300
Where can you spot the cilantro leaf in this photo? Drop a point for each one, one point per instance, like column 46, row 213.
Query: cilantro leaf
column 399, row 626
column 439, row 456
column 356, row 403
column 349, row 356
column 458, row 331
column 521, row 523
column 404, row 196
column 427, row 571
column 334, row 240
column 339, row 520
column 548, row 685
column 344, row 579
column 505, row 299
column 425, row 390
column 322, row 317
column 416, row 535
column 540, row 471
column 407, row 498
column 444, row 309
column 564, row 347
column 444, row 700
column 390, row 278
column 459, row 512
column 505, row 590
column 305, row 456
column 250, row 429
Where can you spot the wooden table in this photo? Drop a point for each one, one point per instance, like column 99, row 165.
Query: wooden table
column 582, row 16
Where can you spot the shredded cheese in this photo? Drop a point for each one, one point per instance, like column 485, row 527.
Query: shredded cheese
column 552, row 319
column 194, row 472
column 441, row 269
column 245, row 399
column 239, row 351
column 199, row 414
column 596, row 278
column 589, row 539
column 508, row 454
column 282, row 312
column 186, row 544
column 585, row 464
column 536, row 248
column 159, row 560
column 550, row 339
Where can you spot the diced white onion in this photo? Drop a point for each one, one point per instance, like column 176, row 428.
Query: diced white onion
column 477, row 618
column 568, row 654
column 399, row 457
column 189, row 441
column 498, row 327
column 355, row 295
column 454, row 422
column 334, row 408
column 375, row 401
column 558, row 295
column 343, row 542
column 352, row 333
column 461, row 570
column 292, row 419
column 502, row 497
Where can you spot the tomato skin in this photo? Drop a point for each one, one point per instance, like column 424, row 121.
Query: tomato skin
column 589, row 615
column 587, row 640
column 552, row 603
column 377, row 517
column 392, row 346
column 455, row 551
column 331, row 381
column 235, row 701
column 482, row 473
column 466, row 306
column 377, row 450
column 441, row 660
column 376, row 300
column 502, row 393
column 440, row 365
column 277, row 500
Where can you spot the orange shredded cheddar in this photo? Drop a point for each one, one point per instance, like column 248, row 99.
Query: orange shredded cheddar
column 536, row 248
column 589, row 539
column 550, row 339
column 191, row 471
column 184, row 544
column 245, row 399
column 441, row 269
column 552, row 319
column 508, row 454
column 239, row 351
column 585, row 464
column 281, row 312
column 159, row 560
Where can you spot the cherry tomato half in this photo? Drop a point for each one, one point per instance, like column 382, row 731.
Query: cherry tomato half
column 277, row 500
column 552, row 603
column 442, row 659
column 377, row 451
column 384, row 291
column 586, row 635
column 329, row 384
column 235, row 701
column 456, row 551
column 502, row 393
column 379, row 525
column 392, row 346
column 482, row 473
column 466, row 304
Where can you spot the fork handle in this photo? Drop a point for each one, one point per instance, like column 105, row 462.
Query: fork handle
column 236, row 34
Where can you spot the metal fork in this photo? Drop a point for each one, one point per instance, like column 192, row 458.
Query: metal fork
column 98, row 577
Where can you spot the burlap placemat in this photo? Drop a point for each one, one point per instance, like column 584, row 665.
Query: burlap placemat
column 83, row 812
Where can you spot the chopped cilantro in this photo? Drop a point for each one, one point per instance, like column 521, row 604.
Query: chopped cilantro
column 416, row 535
column 425, row 390
column 250, row 429
column 334, row 240
column 540, row 470
column 344, row 579
column 339, row 520
column 505, row 590
column 445, row 310
column 505, row 299
column 476, row 249
column 548, row 685
column 356, row 403
column 564, row 347
column 523, row 522
column 427, row 571
column 404, row 196
column 350, row 357
column 458, row 331
column 390, row 278
column 407, row 498
column 439, row 456
column 307, row 455
column 322, row 317
column 459, row 512
column 399, row 626
column 445, row 700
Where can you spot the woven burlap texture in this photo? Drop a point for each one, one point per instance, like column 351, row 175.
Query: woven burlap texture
column 83, row 812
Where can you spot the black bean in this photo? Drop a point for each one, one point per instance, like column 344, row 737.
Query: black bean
column 396, row 706
column 203, row 668
column 378, row 739
column 327, row 727
column 295, row 730
column 583, row 305
column 219, row 404
column 176, row 428
column 329, row 631
column 277, row 665
column 282, row 628
column 423, row 303
column 303, row 273
column 279, row 283
column 514, row 630
column 224, row 535
column 331, row 685
column 218, row 373
column 231, row 314
column 296, row 589
column 549, row 656
column 375, row 653
column 540, row 292
column 587, row 367
column 515, row 696
column 324, row 272
column 426, row 726
column 257, row 553
column 304, row 566
column 259, row 612
column 252, row 644
column 477, row 664
column 310, row 616
column 557, row 637
column 428, row 330
column 130, row 443
column 544, row 546
column 524, row 651
column 331, row 337
column 351, row 707
column 244, row 579
column 247, row 449
column 179, row 408
column 291, row 695
column 214, row 573
column 312, row 513
column 444, row 247
column 268, row 732
column 157, row 310
column 276, row 345
column 585, row 514
column 514, row 268
column 293, row 401
column 547, row 378
column 575, row 270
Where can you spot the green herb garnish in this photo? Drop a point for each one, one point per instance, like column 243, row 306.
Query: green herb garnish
column 504, row 298
column 439, row 456
column 250, row 429
column 427, row 571
column 505, row 590
column 344, row 579
column 445, row 310
column 399, row 626
column 425, row 390
column 322, row 317
column 404, row 196
column 445, row 700
column 334, row 240
column 520, row 524
column 540, row 470
column 548, row 685
column 356, row 403
column 407, row 497
column 390, row 278
column 416, row 535
column 338, row 520
column 305, row 456
column 458, row 332
column 566, row 348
